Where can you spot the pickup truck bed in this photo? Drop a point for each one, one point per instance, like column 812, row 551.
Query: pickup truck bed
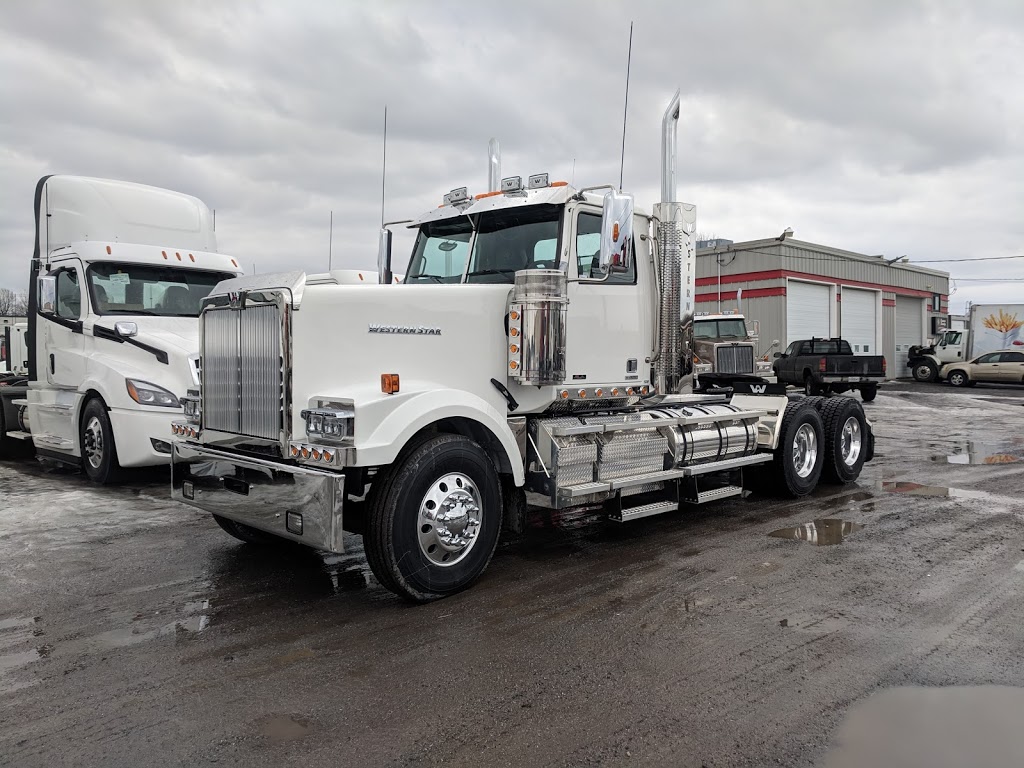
column 821, row 366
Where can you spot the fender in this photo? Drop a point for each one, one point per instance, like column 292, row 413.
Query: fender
column 422, row 409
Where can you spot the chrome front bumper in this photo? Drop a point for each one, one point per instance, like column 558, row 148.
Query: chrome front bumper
column 261, row 493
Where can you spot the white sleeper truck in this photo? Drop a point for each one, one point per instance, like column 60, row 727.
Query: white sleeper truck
column 533, row 351
column 117, row 280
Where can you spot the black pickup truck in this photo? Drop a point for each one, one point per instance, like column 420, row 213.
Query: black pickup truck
column 821, row 366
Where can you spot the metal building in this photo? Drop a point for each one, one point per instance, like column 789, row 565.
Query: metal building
column 797, row 290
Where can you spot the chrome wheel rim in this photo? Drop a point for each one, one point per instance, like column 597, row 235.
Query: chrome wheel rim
column 851, row 440
column 449, row 519
column 805, row 450
column 924, row 372
column 92, row 443
column 956, row 379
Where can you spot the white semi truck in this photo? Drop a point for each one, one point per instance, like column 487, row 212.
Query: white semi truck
column 111, row 343
column 534, row 346
column 990, row 327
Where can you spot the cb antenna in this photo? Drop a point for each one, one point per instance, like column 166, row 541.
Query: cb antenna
column 384, row 166
column 625, row 106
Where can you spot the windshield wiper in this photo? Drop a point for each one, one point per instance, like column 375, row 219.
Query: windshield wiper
column 436, row 278
column 491, row 272
column 131, row 312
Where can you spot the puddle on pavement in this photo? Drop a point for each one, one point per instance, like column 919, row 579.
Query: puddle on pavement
column 938, row 727
column 916, row 489
column 974, row 452
column 823, row 533
column 280, row 728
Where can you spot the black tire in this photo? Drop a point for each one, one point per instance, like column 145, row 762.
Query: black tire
column 958, row 378
column 846, row 440
column 396, row 539
column 811, row 389
column 786, row 478
column 925, row 371
column 247, row 533
column 868, row 393
column 96, row 440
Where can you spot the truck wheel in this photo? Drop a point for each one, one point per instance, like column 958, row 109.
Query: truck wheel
column 796, row 467
column 96, row 439
column 434, row 519
column 926, row 371
column 846, row 436
column 868, row 392
column 958, row 379
column 246, row 533
column 810, row 388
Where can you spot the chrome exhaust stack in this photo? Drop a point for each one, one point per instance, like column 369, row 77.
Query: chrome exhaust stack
column 493, row 166
column 676, row 223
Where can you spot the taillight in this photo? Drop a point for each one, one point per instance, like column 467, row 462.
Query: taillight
column 883, row 365
column 821, row 365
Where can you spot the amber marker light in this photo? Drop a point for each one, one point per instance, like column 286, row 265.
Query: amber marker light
column 389, row 383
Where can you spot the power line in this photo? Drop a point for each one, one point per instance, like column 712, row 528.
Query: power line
column 991, row 279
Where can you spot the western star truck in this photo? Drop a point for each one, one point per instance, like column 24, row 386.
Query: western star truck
column 990, row 327
column 723, row 351
column 111, row 343
column 534, row 346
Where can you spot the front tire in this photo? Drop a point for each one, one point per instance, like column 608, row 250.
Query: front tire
column 846, row 440
column 96, row 441
column 810, row 388
column 434, row 519
column 958, row 379
column 797, row 465
column 925, row 371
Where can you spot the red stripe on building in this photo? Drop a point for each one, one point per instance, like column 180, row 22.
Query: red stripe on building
column 753, row 293
column 888, row 302
column 778, row 274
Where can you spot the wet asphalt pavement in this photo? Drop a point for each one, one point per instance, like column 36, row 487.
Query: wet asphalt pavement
column 134, row 632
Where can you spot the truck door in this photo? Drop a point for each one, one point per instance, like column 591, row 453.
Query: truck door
column 64, row 357
column 608, row 335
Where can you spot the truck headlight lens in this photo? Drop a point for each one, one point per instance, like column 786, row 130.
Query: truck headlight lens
column 144, row 393
column 329, row 426
column 193, row 408
column 702, row 368
column 763, row 366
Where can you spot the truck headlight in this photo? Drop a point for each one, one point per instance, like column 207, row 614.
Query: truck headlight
column 144, row 393
column 329, row 426
column 702, row 368
column 193, row 406
column 763, row 366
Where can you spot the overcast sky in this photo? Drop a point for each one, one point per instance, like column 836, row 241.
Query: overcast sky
column 879, row 127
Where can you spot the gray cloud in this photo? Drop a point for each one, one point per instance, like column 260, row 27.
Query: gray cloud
column 874, row 126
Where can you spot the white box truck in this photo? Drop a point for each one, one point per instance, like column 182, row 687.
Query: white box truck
column 990, row 327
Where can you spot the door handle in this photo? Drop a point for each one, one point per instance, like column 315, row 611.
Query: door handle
column 52, row 365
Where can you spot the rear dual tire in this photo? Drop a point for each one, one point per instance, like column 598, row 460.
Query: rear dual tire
column 797, row 462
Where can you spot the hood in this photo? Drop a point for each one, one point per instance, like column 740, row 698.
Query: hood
column 171, row 334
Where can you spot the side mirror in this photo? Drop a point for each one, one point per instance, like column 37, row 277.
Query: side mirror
column 47, row 287
column 775, row 343
column 778, row 355
column 126, row 329
column 384, row 257
column 616, row 233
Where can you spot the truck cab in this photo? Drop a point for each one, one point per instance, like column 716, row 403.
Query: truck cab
column 534, row 346
column 723, row 348
column 118, row 277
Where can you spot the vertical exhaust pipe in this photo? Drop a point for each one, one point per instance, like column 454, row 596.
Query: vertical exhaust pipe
column 493, row 166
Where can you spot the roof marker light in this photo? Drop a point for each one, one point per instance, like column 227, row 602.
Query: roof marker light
column 164, row 253
column 191, row 257
column 559, row 183
column 108, row 249
column 178, row 255
column 232, row 261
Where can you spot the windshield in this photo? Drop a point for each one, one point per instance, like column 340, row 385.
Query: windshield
column 506, row 241
column 142, row 289
column 719, row 329
column 439, row 255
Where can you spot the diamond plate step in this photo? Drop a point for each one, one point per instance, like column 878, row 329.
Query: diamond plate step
column 646, row 510
column 719, row 493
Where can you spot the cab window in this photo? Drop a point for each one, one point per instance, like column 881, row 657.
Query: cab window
column 588, row 252
column 69, row 295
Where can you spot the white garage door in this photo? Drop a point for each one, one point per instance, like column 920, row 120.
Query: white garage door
column 808, row 311
column 908, row 332
column 857, row 310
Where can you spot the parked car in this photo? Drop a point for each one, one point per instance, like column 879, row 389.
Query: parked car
column 822, row 366
column 1003, row 367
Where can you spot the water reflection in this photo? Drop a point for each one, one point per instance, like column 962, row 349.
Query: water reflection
column 975, row 452
column 822, row 533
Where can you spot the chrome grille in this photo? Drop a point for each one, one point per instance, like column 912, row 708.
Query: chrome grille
column 242, row 371
column 734, row 359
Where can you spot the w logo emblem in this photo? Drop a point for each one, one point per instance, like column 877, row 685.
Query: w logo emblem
column 758, row 389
